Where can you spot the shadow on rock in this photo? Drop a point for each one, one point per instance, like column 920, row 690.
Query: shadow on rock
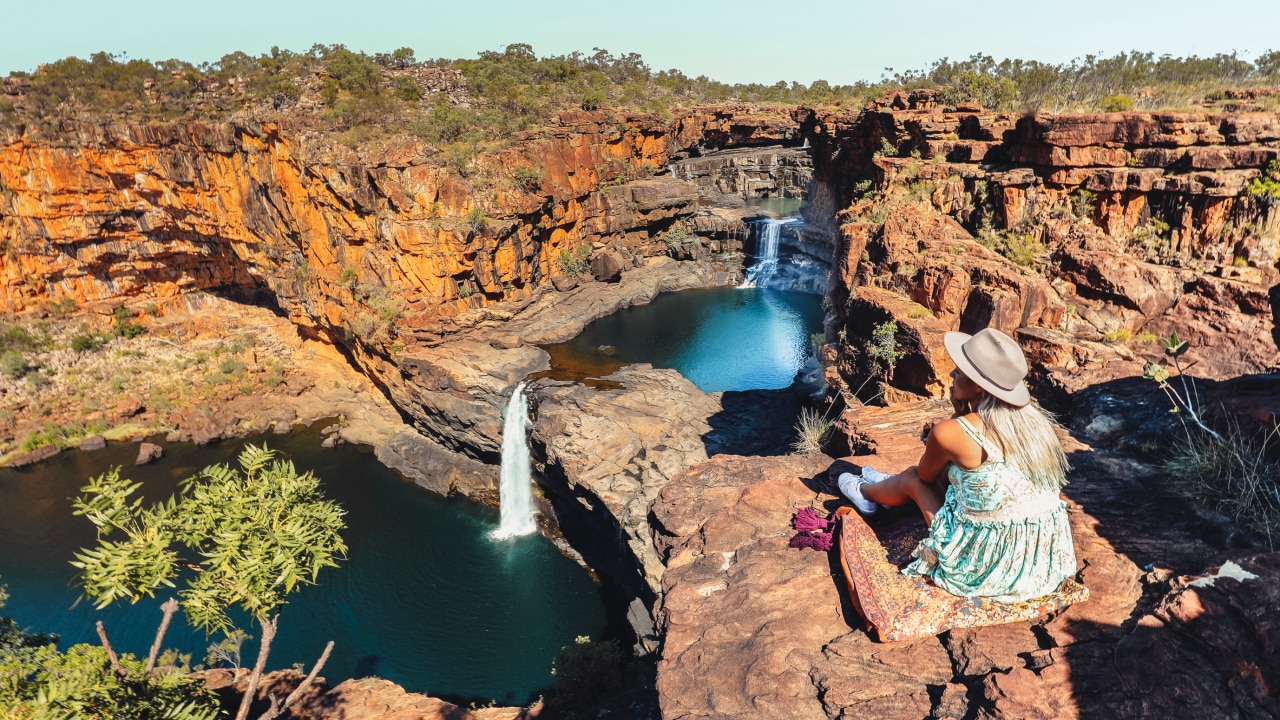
column 754, row 423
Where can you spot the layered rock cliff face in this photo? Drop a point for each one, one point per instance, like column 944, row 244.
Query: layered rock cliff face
column 379, row 252
column 117, row 213
column 1082, row 233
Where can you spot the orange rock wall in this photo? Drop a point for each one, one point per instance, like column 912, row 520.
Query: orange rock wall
column 107, row 215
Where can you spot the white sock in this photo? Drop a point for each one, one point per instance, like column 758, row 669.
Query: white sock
column 873, row 475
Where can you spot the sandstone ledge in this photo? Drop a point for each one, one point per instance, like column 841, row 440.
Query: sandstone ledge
column 753, row 629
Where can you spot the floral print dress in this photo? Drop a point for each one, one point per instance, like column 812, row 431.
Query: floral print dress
column 997, row 535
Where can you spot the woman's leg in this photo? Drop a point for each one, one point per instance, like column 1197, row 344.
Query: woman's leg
column 907, row 487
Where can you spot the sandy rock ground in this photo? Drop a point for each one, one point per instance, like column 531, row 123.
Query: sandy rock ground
column 204, row 369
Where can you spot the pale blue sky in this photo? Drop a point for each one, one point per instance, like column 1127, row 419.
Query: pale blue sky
column 741, row 41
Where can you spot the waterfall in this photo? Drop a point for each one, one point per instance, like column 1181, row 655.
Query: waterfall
column 516, row 498
column 768, row 232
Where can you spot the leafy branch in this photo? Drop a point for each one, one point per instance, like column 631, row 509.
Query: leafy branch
column 1188, row 400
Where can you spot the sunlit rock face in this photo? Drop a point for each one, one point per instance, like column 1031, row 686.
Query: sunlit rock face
column 1078, row 233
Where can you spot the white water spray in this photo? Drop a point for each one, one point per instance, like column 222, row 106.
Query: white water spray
column 516, row 499
column 768, row 234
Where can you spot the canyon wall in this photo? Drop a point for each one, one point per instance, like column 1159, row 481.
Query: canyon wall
column 1087, row 235
column 384, row 252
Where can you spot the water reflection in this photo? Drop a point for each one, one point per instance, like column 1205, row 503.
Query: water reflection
column 719, row 338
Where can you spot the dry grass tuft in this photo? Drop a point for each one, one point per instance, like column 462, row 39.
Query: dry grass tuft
column 1237, row 474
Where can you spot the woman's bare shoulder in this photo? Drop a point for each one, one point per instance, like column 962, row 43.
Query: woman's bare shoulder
column 948, row 431
column 951, row 435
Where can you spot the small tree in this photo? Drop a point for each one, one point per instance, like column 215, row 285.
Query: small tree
column 251, row 536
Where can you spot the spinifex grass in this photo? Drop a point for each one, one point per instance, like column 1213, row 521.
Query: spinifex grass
column 1236, row 473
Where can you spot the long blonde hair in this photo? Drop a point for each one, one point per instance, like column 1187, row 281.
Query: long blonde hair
column 1026, row 435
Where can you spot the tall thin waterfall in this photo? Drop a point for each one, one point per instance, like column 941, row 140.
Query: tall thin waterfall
column 768, row 233
column 516, row 499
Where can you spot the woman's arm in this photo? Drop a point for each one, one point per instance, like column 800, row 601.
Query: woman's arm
column 947, row 443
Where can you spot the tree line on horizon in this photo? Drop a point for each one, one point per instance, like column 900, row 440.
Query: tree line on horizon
column 504, row 91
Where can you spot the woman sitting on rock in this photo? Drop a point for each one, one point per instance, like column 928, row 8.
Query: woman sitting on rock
column 988, row 483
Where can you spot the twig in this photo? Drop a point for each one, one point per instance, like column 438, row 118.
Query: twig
column 169, row 607
column 111, row 653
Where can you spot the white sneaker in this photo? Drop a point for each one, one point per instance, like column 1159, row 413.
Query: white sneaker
column 851, row 486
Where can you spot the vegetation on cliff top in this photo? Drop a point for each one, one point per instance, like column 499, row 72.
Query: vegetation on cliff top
column 500, row 92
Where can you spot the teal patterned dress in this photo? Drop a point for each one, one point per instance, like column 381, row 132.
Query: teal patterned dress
column 997, row 535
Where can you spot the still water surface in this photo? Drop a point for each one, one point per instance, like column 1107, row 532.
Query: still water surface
column 424, row 598
column 718, row 338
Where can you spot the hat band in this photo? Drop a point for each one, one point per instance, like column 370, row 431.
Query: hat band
column 985, row 376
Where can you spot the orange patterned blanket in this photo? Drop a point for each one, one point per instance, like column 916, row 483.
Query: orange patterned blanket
column 896, row 607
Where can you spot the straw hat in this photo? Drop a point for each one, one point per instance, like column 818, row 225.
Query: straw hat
column 993, row 360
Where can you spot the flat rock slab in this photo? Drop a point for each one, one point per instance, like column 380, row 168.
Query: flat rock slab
column 755, row 629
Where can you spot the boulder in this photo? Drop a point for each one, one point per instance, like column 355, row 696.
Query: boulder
column 608, row 265
column 93, row 442
column 148, row 453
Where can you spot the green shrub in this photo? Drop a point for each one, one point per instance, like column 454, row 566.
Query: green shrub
column 348, row 274
column 1116, row 103
column 86, row 342
column 355, row 73
column 887, row 149
column 406, row 88
column 459, row 156
column 61, row 306
column 1237, row 474
column 884, row 346
column 477, row 219
column 231, row 366
column 1020, row 248
column 125, row 327
column 527, row 178
column 587, row 674
column 1123, row 335
column 573, row 262
column 1267, row 187
column 677, row 235
column 1151, row 238
column 1083, row 204
column 13, row 364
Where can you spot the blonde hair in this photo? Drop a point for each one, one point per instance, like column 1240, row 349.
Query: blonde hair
column 1026, row 435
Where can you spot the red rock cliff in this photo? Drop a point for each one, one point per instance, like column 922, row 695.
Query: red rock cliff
column 1121, row 225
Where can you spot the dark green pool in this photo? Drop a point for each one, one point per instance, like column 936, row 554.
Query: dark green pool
column 719, row 338
column 424, row 598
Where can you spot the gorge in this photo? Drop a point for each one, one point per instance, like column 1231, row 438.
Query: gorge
column 1076, row 233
